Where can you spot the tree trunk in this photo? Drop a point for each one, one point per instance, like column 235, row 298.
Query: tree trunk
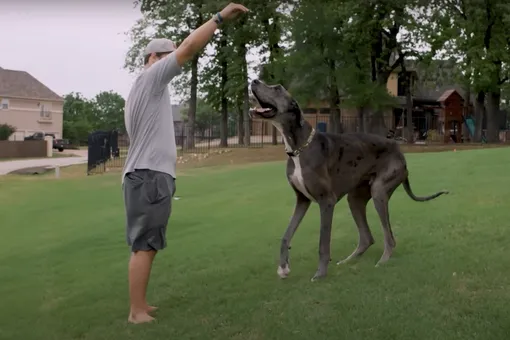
column 466, row 112
column 190, row 133
column 240, row 123
column 245, row 94
column 334, row 100
column 492, row 112
column 273, row 38
column 409, row 110
column 246, row 115
column 224, row 101
column 479, row 114
column 361, row 119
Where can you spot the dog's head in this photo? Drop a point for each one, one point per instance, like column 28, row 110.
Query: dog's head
column 276, row 104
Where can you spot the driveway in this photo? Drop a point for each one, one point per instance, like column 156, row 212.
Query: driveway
column 9, row 166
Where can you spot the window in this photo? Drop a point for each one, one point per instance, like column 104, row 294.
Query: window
column 325, row 110
column 45, row 111
column 4, row 104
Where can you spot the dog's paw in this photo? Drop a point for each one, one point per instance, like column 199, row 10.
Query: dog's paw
column 319, row 275
column 283, row 272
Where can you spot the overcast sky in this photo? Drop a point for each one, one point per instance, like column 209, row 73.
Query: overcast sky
column 73, row 45
column 70, row 45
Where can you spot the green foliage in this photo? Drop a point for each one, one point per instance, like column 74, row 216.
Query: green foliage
column 108, row 111
column 320, row 50
column 475, row 34
column 78, row 113
column 6, row 131
column 206, row 117
column 82, row 116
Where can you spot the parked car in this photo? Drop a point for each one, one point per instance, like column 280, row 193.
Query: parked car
column 61, row 144
column 39, row 136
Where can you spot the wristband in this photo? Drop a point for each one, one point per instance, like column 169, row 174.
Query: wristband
column 218, row 19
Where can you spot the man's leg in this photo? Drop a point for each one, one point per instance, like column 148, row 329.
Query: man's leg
column 140, row 265
column 147, row 196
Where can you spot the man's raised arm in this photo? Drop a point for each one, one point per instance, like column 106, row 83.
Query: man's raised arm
column 197, row 40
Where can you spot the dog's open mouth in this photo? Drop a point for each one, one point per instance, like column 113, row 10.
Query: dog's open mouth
column 266, row 110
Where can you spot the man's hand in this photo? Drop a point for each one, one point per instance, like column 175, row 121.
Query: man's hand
column 201, row 36
column 232, row 11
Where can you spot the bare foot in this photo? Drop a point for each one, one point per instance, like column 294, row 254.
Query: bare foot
column 142, row 317
column 151, row 309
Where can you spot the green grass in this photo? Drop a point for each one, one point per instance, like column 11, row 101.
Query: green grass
column 63, row 259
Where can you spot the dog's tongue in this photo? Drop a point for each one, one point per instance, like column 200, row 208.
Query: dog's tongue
column 261, row 110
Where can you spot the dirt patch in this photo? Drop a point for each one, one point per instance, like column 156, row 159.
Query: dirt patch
column 36, row 170
column 236, row 156
column 271, row 153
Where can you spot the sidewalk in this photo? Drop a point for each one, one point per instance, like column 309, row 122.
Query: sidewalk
column 8, row 166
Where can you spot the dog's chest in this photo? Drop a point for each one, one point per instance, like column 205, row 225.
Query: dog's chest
column 296, row 178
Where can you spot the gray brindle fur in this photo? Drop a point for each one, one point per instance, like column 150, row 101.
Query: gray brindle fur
column 324, row 167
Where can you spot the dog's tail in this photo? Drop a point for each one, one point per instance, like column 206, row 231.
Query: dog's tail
column 407, row 188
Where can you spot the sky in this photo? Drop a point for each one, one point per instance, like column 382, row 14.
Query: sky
column 69, row 45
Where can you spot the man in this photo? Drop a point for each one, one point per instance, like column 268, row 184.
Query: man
column 148, row 179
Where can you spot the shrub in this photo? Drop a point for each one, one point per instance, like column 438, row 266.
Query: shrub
column 6, row 131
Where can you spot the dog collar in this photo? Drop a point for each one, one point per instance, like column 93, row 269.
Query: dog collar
column 296, row 152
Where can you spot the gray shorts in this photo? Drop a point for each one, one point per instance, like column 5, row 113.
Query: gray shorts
column 148, row 202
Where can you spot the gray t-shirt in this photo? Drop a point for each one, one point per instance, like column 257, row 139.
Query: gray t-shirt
column 149, row 119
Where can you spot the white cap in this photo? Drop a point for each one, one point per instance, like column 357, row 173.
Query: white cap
column 160, row 45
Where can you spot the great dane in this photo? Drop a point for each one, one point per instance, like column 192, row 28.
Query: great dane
column 324, row 167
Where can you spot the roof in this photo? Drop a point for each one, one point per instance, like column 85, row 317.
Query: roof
column 22, row 84
column 446, row 94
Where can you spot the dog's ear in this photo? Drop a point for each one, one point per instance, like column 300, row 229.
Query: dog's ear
column 294, row 107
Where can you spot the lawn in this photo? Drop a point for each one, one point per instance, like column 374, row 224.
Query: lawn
column 63, row 259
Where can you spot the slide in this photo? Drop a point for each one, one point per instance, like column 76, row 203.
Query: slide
column 470, row 124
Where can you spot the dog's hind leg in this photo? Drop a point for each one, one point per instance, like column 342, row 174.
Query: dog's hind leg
column 358, row 199
column 300, row 209
column 382, row 188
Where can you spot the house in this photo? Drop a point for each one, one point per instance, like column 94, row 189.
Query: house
column 439, row 104
column 29, row 105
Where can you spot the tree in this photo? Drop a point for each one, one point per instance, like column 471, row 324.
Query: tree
column 475, row 34
column 385, row 28
column 174, row 19
column 272, row 33
column 241, row 35
column 213, row 81
column 6, row 131
column 206, row 118
column 108, row 111
column 78, row 115
column 316, row 48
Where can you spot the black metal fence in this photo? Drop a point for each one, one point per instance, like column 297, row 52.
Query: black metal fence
column 105, row 150
column 108, row 149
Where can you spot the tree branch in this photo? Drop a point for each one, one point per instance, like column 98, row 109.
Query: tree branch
column 460, row 11
column 399, row 61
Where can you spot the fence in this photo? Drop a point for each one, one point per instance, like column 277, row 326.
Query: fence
column 424, row 130
column 23, row 149
column 108, row 149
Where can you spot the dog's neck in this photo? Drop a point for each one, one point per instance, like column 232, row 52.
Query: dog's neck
column 296, row 138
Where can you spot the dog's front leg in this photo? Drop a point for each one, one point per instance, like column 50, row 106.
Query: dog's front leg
column 326, row 208
column 300, row 209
